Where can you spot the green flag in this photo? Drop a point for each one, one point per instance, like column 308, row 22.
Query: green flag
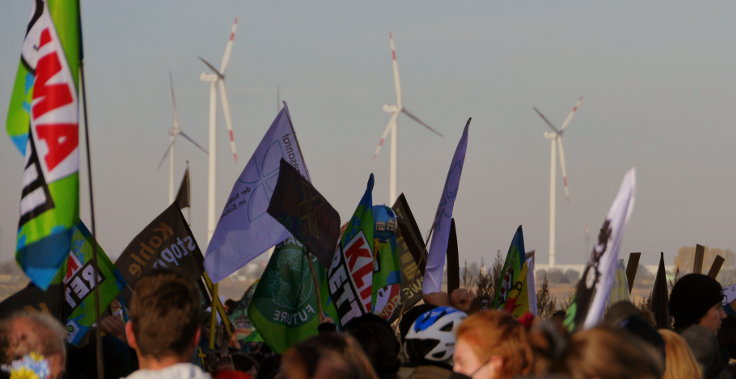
column 386, row 295
column 510, row 282
column 77, row 276
column 284, row 308
column 43, row 123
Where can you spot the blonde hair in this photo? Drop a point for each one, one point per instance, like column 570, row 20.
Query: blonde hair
column 496, row 333
column 680, row 361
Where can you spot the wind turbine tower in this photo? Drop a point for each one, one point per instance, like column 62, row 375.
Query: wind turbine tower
column 216, row 79
column 555, row 138
column 173, row 133
column 395, row 110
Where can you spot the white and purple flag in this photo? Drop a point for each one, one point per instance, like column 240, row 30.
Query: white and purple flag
column 443, row 218
column 245, row 229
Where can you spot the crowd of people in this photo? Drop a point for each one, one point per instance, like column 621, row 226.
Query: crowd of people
column 444, row 337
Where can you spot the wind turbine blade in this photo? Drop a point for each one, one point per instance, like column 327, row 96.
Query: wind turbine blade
column 228, row 119
column 389, row 126
column 193, row 142
column 168, row 148
column 395, row 66
column 229, row 47
column 406, row 112
column 572, row 113
column 546, row 120
column 173, row 102
column 564, row 169
column 214, row 70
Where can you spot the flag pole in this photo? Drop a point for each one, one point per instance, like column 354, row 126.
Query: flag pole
column 98, row 336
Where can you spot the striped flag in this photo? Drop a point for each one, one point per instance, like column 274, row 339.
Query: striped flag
column 43, row 123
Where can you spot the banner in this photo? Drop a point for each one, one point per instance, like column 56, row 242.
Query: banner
column 620, row 287
column 305, row 213
column 453, row 261
column 409, row 231
column 412, row 256
column 386, row 294
column 531, row 283
column 350, row 276
column 594, row 286
column 43, row 123
column 659, row 301
column 245, row 229
column 70, row 295
column 510, row 290
column 166, row 242
column 285, row 308
column 78, row 278
column 441, row 225
column 183, row 196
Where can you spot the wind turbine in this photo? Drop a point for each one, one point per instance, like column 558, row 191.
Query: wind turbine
column 217, row 79
column 555, row 139
column 395, row 110
column 173, row 132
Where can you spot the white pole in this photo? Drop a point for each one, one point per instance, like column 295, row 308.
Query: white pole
column 393, row 183
column 552, row 198
column 212, row 158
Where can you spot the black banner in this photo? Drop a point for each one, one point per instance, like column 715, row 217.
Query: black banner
column 305, row 213
column 166, row 242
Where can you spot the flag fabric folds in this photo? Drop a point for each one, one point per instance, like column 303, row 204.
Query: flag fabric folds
column 441, row 225
column 183, row 196
column 166, row 242
column 245, row 229
column 77, row 275
column 659, row 301
column 510, row 290
column 350, row 277
column 593, row 288
column 43, row 123
column 285, row 306
column 620, row 287
column 386, row 270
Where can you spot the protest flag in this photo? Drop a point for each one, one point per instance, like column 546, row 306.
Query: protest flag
column 659, row 300
column 441, row 225
column 166, row 242
column 77, row 275
column 183, row 196
column 69, row 295
column 631, row 267
column 245, row 229
column 453, row 261
column 531, row 283
column 350, row 275
column 595, row 285
column 411, row 253
column 409, row 232
column 305, row 213
column 285, row 306
column 509, row 287
column 43, row 123
column 620, row 287
column 386, row 285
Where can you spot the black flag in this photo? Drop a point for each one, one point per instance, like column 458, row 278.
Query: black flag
column 183, row 196
column 658, row 302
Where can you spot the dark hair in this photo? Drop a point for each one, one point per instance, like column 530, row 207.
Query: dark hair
column 375, row 336
column 164, row 313
column 691, row 298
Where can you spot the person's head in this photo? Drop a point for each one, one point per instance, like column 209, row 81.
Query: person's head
column 696, row 299
column 431, row 338
column 680, row 361
column 25, row 332
column 603, row 352
column 378, row 341
column 328, row 355
column 164, row 315
column 492, row 344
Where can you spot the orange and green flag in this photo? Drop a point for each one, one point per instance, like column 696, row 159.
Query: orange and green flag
column 43, row 123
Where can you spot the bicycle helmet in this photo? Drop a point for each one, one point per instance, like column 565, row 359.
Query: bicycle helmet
column 432, row 336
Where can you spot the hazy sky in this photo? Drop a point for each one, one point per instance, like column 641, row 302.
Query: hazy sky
column 658, row 81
